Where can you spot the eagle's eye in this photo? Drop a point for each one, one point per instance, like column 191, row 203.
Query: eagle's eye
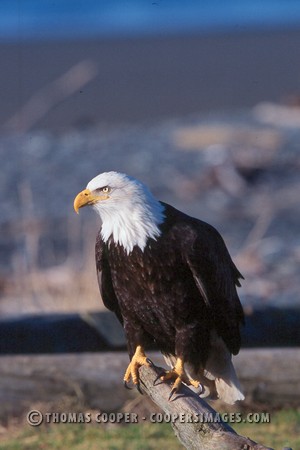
column 105, row 190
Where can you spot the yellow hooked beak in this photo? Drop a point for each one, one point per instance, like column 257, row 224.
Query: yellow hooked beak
column 86, row 197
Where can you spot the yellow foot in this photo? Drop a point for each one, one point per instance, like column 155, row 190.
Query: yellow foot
column 179, row 375
column 132, row 372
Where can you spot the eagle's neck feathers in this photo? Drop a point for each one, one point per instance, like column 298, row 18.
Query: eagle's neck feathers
column 133, row 223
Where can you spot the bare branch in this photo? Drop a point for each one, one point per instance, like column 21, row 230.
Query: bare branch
column 194, row 432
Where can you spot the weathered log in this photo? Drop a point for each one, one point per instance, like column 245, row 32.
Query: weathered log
column 193, row 433
column 93, row 380
column 268, row 376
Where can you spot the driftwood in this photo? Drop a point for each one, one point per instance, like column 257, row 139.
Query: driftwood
column 89, row 380
column 194, row 434
column 268, row 377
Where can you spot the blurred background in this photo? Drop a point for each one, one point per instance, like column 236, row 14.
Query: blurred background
column 199, row 99
column 201, row 102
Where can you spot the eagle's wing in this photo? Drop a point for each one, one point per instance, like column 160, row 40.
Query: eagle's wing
column 104, row 279
column 216, row 277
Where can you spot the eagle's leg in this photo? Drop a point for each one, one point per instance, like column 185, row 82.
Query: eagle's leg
column 132, row 372
column 179, row 375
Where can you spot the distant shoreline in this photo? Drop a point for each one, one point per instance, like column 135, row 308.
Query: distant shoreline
column 151, row 77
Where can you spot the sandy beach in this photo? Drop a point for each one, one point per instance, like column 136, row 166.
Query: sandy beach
column 151, row 77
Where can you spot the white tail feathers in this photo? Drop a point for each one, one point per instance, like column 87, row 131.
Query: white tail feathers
column 225, row 386
column 228, row 393
column 219, row 371
column 218, row 378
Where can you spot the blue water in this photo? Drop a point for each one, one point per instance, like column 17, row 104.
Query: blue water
column 50, row 19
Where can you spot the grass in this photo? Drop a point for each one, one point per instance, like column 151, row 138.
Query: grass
column 93, row 437
column 283, row 430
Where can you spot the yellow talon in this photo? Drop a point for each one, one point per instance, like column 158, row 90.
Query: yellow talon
column 179, row 375
column 139, row 359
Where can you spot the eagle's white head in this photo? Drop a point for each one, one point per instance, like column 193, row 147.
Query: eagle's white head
column 128, row 211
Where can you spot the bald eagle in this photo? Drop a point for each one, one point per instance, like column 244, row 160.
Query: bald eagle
column 171, row 282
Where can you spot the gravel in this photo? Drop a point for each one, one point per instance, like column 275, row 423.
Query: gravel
column 237, row 170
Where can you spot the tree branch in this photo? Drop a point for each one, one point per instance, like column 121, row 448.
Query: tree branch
column 195, row 423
